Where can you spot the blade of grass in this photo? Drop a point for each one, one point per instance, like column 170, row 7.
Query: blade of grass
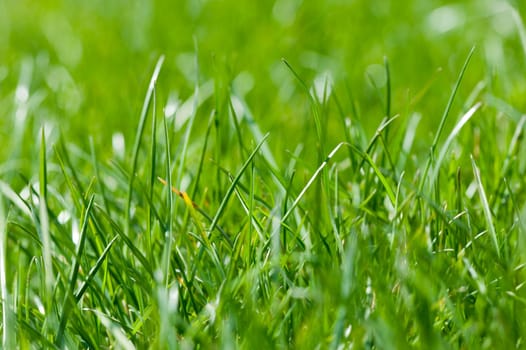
column 73, row 274
column 44, row 225
column 99, row 178
column 387, row 90
column 153, row 165
column 8, row 328
column 169, row 207
column 138, row 139
column 315, row 106
column 445, row 147
column 310, row 182
column 115, row 330
column 485, row 207
column 444, row 119
column 94, row 269
column 15, row 198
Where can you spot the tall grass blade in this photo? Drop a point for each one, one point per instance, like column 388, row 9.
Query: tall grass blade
column 44, row 224
column 444, row 118
column 138, row 138
column 169, row 204
column 485, row 206
column 66, row 306
column 8, row 326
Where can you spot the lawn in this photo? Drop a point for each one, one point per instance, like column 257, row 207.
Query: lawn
column 268, row 174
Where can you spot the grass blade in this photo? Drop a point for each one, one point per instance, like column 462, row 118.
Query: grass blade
column 444, row 119
column 8, row 329
column 44, row 224
column 115, row 330
column 169, row 199
column 74, row 273
column 94, row 270
column 465, row 118
column 138, row 138
column 485, row 206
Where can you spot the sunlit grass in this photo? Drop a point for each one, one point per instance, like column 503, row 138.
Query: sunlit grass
column 271, row 192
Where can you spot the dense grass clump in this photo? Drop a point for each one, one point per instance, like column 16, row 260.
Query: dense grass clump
column 259, row 202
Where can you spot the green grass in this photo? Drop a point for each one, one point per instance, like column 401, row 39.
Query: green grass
column 278, row 174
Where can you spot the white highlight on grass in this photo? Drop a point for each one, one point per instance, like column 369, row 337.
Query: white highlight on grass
column 211, row 310
column 471, row 190
column 22, row 93
column 173, row 298
column 348, row 331
column 115, row 330
column 30, row 193
column 444, row 19
column 118, row 145
column 391, row 210
column 186, row 110
column 411, row 132
column 243, row 83
column 171, row 105
column 20, row 114
column 478, row 280
column 75, row 232
column 409, row 138
column 322, row 86
column 63, row 217
column 186, row 180
column 14, row 198
column 238, row 107
column 39, row 304
column 465, row 118
column 25, row 193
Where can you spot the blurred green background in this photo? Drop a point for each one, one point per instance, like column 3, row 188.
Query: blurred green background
column 85, row 66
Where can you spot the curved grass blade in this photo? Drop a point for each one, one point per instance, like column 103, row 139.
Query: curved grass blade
column 485, row 206
column 465, row 118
